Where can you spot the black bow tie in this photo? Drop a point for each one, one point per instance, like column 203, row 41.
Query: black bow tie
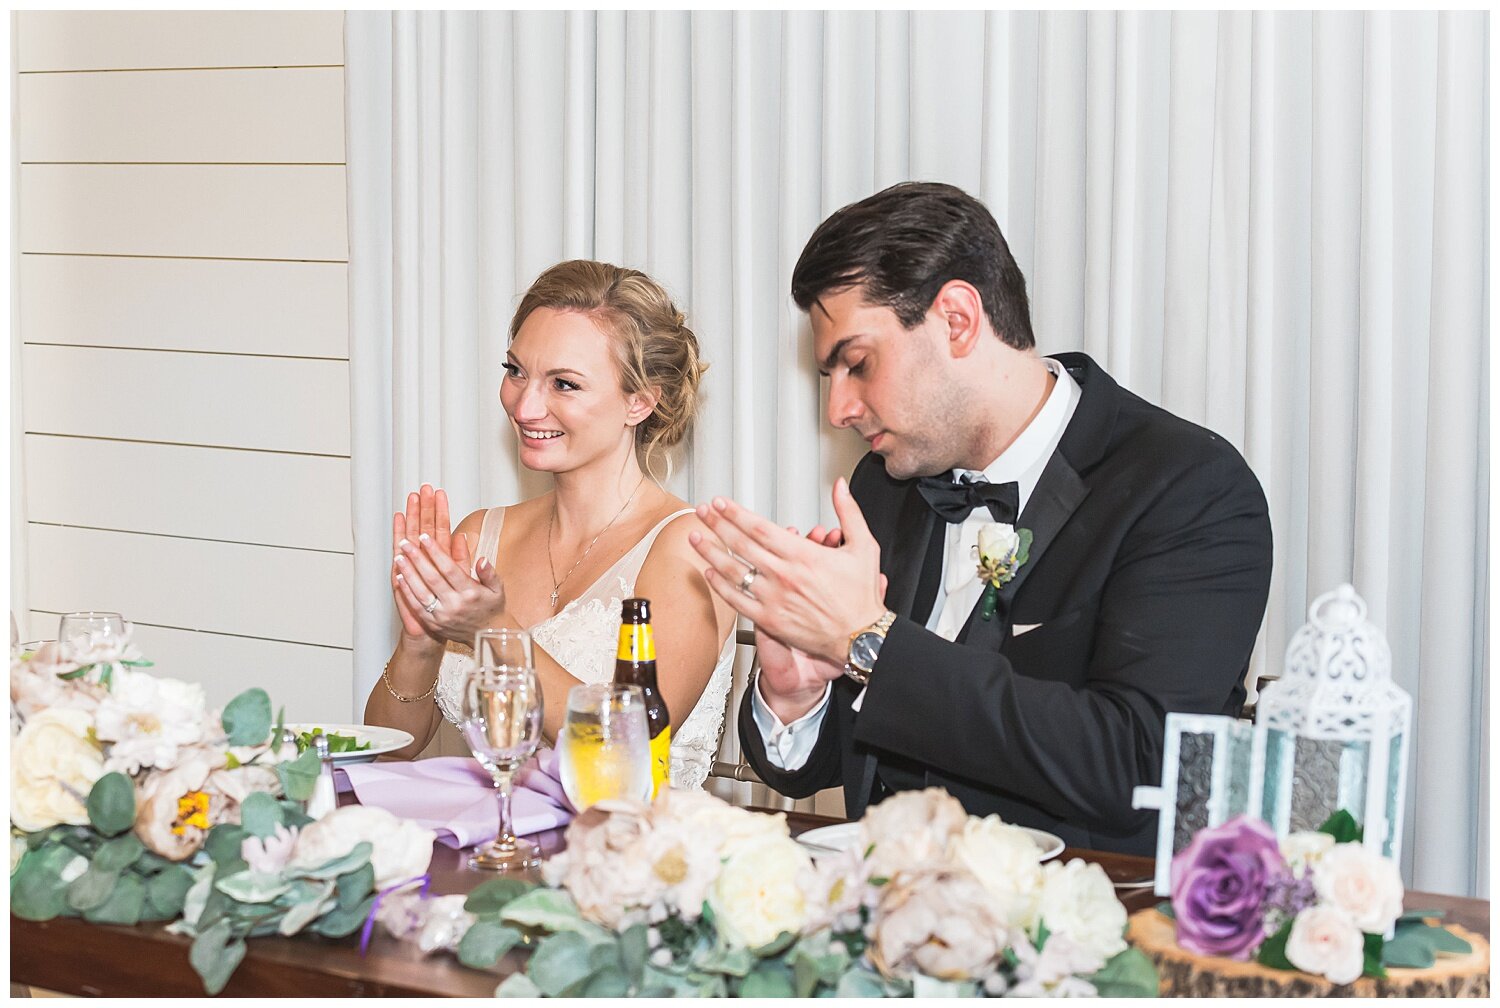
column 954, row 502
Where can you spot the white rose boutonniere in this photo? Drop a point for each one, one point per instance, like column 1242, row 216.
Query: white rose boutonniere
column 1002, row 550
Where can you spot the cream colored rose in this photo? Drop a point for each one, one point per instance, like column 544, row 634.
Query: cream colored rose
column 602, row 867
column 998, row 540
column 53, row 766
column 1303, row 849
column 1325, row 941
column 401, row 849
column 1361, row 883
column 1007, row 861
column 757, row 895
column 1078, row 900
column 939, row 923
column 910, row 831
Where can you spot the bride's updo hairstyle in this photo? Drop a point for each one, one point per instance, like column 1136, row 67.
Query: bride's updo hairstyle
column 653, row 346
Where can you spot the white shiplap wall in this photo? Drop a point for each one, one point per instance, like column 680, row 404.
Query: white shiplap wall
column 182, row 296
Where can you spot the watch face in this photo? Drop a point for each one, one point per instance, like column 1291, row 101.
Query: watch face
column 864, row 651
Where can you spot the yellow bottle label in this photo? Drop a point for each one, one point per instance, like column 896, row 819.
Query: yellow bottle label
column 636, row 643
column 660, row 764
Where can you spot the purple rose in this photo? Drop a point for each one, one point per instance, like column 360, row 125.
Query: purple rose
column 1219, row 886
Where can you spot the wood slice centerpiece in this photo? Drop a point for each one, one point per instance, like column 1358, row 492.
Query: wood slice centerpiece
column 1184, row 974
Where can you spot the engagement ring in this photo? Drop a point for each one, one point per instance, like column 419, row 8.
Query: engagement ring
column 748, row 580
column 431, row 607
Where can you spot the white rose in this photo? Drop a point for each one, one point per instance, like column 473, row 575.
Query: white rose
column 757, row 895
column 997, row 540
column 1326, row 942
column 1078, row 900
column 1303, row 849
column 149, row 720
column 1007, row 861
column 1361, row 883
column 402, row 849
column 53, row 766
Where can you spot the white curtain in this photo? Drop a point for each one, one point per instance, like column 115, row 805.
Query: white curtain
column 1271, row 224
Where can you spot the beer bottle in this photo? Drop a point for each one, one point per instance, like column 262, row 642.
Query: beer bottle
column 635, row 665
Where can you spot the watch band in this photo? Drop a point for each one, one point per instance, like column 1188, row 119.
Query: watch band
column 878, row 631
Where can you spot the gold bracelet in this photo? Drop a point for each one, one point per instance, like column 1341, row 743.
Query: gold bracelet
column 385, row 677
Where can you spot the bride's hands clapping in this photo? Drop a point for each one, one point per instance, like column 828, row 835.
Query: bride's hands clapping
column 437, row 598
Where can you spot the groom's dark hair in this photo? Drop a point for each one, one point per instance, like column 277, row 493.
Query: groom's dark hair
column 902, row 244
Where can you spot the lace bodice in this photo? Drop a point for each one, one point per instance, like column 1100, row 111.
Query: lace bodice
column 582, row 639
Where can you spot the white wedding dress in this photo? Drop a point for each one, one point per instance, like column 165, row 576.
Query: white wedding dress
column 582, row 638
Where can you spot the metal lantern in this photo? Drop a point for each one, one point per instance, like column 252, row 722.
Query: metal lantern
column 1336, row 727
column 1329, row 735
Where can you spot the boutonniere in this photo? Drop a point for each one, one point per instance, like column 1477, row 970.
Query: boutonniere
column 1002, row 549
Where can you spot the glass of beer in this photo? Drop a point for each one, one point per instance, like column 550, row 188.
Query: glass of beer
column 604, row 749
column 502, row 723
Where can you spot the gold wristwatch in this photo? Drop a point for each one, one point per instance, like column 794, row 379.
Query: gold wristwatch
column 864, row 648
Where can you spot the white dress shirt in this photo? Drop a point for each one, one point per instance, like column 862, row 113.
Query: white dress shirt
column 789, row 745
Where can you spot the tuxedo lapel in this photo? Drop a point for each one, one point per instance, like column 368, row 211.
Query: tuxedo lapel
column 907, row 557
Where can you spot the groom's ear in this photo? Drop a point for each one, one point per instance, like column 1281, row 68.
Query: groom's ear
column 638, row 405
column 961, row 311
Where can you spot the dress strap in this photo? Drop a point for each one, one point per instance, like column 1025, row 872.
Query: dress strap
column 489, row 534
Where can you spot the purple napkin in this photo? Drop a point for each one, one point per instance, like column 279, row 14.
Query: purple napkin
column 455, row 797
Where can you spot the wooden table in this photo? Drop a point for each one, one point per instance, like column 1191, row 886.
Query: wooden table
column 72, row 957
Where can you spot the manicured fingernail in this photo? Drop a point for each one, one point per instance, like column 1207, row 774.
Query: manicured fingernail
column 400, row 577
column 424, row 537
column 401, row 560
column 694, row 538
column 720, row 503
column 403, row 543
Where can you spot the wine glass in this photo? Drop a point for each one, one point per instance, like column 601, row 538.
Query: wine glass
column 604, row 750
column 502, row 722
column 76, row 630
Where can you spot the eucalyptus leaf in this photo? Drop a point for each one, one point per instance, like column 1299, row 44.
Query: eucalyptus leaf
column 118, row 854
column 124, row 906
column 111, row 804
column 609, row 982
column 223, row 845
column 1127, row 974
column 860, row 983
column 36, row 889
column 559, row 962
column 923, row 986
column 215, row 956
column 299, row 776
column 252, row 886
column 493, row 896
column 775, row 946
column 485, row 942
column 634, row 951
column 732, row 962
column 166, row 892
column 340, row 922
column 247, row 718
column 769, row 978
column 1408, row 950
column 197, row 894
column 552, row 910
column 353, row 861
column 92, row 888
column 260, row 814
column 351, row 887
column 517, row 985
column 307, row 910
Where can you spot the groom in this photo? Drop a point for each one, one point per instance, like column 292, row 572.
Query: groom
column 884, row 666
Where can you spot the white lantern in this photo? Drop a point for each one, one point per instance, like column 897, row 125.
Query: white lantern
column 1336, row 727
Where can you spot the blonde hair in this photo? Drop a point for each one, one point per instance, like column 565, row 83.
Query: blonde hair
column 654, row 348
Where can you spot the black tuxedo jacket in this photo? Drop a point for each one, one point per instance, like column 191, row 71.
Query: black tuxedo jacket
column 1144, row 590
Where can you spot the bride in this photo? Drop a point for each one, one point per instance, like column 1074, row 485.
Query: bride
column 601, row 377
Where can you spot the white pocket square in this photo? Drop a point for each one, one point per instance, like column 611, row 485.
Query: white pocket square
column 1020, row 628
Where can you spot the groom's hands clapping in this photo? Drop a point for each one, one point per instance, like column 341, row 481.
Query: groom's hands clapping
column 805, row 595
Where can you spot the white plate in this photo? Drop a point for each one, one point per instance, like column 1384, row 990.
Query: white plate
column 842, row 836
column 381, row 739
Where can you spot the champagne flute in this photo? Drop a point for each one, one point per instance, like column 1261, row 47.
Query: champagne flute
column 502, row 722
column 604, row 749
column 76, row 630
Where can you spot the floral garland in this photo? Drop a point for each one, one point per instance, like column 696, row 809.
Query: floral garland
column 132, row 801
column 693, row 897
column 1320, row 902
